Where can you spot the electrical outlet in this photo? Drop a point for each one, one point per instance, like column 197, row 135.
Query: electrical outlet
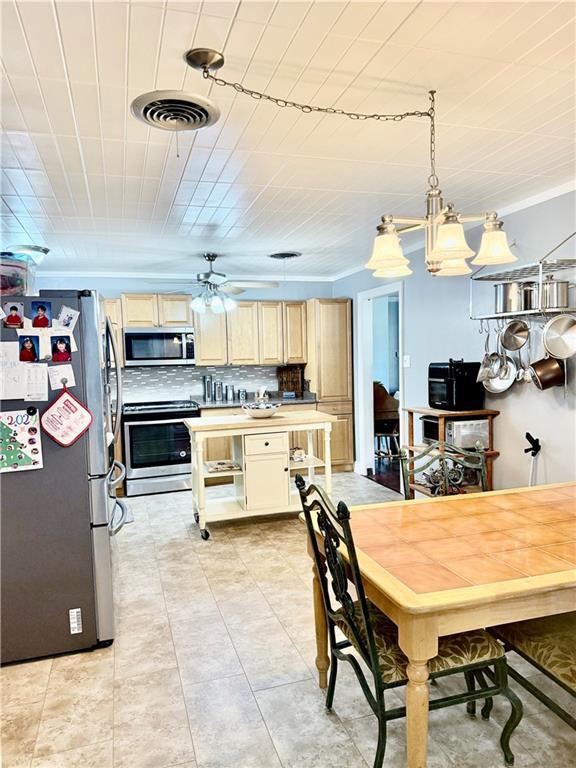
column 406, row 362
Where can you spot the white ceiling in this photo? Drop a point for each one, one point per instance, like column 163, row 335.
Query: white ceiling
column 108, row 195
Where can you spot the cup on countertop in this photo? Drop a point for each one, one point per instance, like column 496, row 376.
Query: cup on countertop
column 242, row 395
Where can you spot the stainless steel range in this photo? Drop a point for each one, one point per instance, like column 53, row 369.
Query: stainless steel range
column 157, row 446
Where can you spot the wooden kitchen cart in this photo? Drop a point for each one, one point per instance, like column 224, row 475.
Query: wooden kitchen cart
column 261, row 449
column 442, row 417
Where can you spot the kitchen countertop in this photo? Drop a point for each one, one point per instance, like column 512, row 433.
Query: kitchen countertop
column 308, row 398
column 241, row 423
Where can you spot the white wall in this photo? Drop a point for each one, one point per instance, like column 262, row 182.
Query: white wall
column 437, row 326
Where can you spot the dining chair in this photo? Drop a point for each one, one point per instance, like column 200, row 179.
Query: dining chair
column 440, row 468
column 549, row 644
column 374, row 636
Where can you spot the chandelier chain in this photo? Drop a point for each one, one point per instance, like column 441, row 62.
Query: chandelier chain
column 308, row 108
column 433, row 178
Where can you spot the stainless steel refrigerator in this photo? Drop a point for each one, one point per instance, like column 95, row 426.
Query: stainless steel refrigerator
column 56, row 522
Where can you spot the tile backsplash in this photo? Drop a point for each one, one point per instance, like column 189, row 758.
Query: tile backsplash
column 170, row 382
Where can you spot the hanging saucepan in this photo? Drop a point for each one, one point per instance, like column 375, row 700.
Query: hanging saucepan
column 515, row 335
column 547, row 373
column 559, row 337
column 504, row 379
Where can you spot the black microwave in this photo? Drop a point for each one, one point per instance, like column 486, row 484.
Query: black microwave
column 159, row 346
column 452, row 386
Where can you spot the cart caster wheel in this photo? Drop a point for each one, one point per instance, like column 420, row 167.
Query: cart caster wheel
column 196, row 517
column 205, row 534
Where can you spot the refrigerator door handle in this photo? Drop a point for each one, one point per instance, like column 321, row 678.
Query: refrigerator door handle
column 116, row 527
column 118, row 415
column 114, row 482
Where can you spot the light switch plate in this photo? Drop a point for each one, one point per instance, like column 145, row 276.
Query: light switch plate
column 406, row 362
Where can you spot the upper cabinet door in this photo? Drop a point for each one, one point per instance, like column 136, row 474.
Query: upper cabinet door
column 174, row 310
column 330, row 362
column 243, row 334
column 140, row 310
column 295, row 332
column 112, row 309
column 210, row 339
column 271, row 332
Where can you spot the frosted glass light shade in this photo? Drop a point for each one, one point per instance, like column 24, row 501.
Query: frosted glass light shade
column 229, row 304
column 393, row 271
column 387, row 251
column 198, row 304
column 217, row 305
column 494, row 249
column 451, row 243
column 454, row 268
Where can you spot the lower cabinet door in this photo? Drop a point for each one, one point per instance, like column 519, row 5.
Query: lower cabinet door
column 267, row 481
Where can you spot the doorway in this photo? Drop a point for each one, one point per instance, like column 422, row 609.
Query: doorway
column 379, row 384
column 386, row 386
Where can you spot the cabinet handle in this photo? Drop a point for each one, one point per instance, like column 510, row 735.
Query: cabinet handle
column 266, row 444
column 285, row 469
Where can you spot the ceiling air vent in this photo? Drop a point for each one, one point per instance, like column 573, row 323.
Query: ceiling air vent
column 175, row 110
column 285, row 255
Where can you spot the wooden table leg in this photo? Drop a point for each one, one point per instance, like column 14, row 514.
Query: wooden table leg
column 417, row 714
column 418, row 638
column 327, row 459
column 322, row 658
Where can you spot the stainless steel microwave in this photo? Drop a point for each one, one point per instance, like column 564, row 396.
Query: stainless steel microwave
column 159, row 346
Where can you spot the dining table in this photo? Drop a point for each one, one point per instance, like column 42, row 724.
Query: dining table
column 439, row 566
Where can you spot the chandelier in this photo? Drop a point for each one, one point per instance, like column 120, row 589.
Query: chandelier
column 446, row 249
column 212, row 300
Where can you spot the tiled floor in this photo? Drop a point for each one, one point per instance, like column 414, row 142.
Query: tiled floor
column 213, row 667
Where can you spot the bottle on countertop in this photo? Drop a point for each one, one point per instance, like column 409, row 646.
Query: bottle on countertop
column 242, row 395
column 218, row 390
column 229, row 392
column 207, row 385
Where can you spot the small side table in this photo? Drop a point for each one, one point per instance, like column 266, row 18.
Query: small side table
column 442, row 416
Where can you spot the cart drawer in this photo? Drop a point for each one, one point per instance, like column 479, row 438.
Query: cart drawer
column 275, row 442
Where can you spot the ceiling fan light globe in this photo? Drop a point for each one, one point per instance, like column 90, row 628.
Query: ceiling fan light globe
column 198, row 305
column 229, row 304
column 494, row 249
column 217, row 305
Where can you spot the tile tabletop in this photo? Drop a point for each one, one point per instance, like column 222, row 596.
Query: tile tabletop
column 434, row 545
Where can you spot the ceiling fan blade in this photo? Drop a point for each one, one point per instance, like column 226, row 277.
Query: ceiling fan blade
column 255, row 283
column 230, row 288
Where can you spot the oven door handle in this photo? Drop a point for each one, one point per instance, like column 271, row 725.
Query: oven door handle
column 129, row 423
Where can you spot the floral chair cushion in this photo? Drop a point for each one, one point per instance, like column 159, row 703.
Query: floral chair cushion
column 454, row 651
column 550, row 642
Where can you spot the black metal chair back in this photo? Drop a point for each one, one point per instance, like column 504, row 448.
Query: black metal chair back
column 333, row 525
column 442, row 461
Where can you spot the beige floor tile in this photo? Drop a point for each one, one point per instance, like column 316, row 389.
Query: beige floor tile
column 83, row 674
column 143, row 645
column 267, row 654
column 228, row 706
column 24, row 682
column 93, row 756
column 204, row 651
column 19, row 729
column 72, row 720
column 250, row 605
column 150, row 722
column 303, row 733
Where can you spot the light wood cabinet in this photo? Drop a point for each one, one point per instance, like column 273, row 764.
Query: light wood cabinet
column 329, row 367
column 342, row 436
column 243, row 334
column 271, row 332
column 295, row 341
column 174, row 310
column 139, row 310
column 112, row 309
column 210, row 339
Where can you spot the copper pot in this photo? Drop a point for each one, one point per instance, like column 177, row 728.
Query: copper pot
column 547, row 373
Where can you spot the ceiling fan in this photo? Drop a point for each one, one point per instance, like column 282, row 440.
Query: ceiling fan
column 219, row 280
